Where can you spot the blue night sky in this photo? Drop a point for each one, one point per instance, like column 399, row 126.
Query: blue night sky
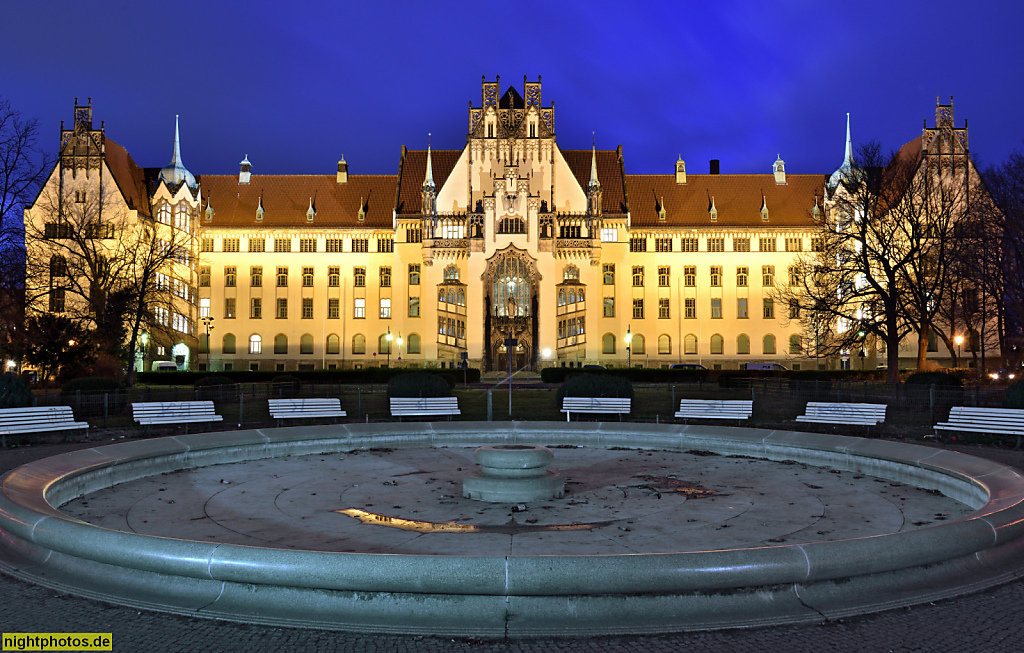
column 296, row 85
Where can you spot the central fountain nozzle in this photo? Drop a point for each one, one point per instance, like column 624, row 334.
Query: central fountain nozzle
column 513, row 472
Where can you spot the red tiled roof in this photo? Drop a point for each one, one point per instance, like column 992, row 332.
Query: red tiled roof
column 130, row 178
column 737, row 198
column 286, row 199
column 609, row 173
column 413, row 171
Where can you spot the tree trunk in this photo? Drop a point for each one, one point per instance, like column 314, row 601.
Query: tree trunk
column 922, row 349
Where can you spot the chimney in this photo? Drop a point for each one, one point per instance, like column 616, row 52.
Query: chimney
column 342, row 171
column 244, row 171
column 715, row 166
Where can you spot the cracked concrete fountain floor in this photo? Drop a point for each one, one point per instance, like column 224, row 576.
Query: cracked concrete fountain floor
column 290, row 502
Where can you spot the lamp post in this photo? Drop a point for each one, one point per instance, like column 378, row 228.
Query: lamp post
column 509, row 344
column 629, row 339
column 389, row 347
column 959, row 340
column 208, row 324
column 399, row 349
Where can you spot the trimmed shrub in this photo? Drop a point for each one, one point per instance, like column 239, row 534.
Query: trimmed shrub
column 1014, row 397
column 208, row 381
column 419, row 384
column 14, row 392
column 93, row 385
column 943, row 379
column 594, row 385
column 285, row 387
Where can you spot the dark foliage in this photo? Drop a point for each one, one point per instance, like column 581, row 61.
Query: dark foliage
column 419, row 384
column 943, row 379
column 94, row 385
column 14, row 392
column 595, row 385
column 1014, row 397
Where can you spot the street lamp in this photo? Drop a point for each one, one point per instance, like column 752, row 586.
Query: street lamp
column 399, row 349
column 959, row 340
column 208, row 324
column 389, row 347
column 629, row 339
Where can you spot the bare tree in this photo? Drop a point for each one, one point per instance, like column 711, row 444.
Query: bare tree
column 1005, row 237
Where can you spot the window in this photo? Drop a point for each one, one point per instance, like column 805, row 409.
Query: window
column 664, row 276
column 794, row 275
column 385, row 276
column 334, row 245
column 741, row 277
column 359, row 344
column 255, row 308
column 769, row 344
column 228, row 344
column 333, row 344
column 451, row 273
column 204, row 276
column 663, row 244
column 609, row 307
column 361, row 245
column 609, row 234
column 57, row 300
column 688, row 244
column 413, row 235
column 282, row 308
column 255, row 344
column 307, row 308
column 307, row 245
column 638, row 309
column 257, row 244
column 334, row 276
column 794, row 244
column 307, row 277
column 608, row 344
column 280, row 344
column 230, row 276
column 690, row 308
column 282, row 277
column 256, row 276
column 608, row 274
column 741, row 244
column 638, row 244
column 206, row 245
column 769, row 308
column 229, row 308
column 817, row 245
column 664, row 344
column 716, row 244
column 743, row 344
column 385, row 309
column 283, row 245
column 571, row 273
column 767, row 275
column 204, row 307
column 414, row 274
column 663, row 309
column 690, row 344
column 359, row 308
column 57, row 230
column 414, row 307
column 385, row 245
column 795, row 345
column 716, row 308
column 58, row 266
column 717, row 344
column 359, row 277
column 766, row 244
column 231, row 244
column 638, row 275
column 741, row 308
column 689, row 276
column 716, row 276
column 638, row 345
column 413, row 346
column 794, row 309
column 333, row 308
column 306, row 344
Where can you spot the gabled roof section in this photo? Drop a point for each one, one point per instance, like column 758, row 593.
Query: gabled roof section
column 286, row 199
column 609, row 174
column 130, row 178
column 511, row 99
column 412, row 172
column 738, row 199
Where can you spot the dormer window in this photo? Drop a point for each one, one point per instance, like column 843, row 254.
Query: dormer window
column 208, row 214
column 260, row 211
column 310, row 212
column 662, row 214
column 764, row 209
column 713, row 211
column 362, row 210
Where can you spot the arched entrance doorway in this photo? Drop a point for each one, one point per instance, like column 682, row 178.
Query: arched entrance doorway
column 511, row 283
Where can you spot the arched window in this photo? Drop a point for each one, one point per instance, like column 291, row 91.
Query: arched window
column 461, row 297
column 204, row 343
column 442, row 295
column 743, row 344
column 637, row 345
column 690, row 344
column 716, row 344
column 359, row 344
column 451, row 273
column 383, row 344
column 608, row 342
column 414, row 344
column 58, row 266
column 795, row 345
column 228, row 344
column 333, row 344
column 255, row 344
column 510, row 292
column 561, row 296
column 571, row 273
column 664, row 344
column 280, row 344
column 769, row 344
column 306, row 344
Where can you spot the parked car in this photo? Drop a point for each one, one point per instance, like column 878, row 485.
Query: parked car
column 687, row 366
column 764, row 366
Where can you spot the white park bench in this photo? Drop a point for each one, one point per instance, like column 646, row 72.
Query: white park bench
column 837, row 413
column 305, row 408
column 737, row 409
column 618, row 405
column 174, row 412
column 997, row 421
column 37, row 420
column 424, row 406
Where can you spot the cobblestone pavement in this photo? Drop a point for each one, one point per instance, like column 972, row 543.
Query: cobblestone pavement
column 991, row 621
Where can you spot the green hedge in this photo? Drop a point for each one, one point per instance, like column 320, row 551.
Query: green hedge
column 366, row 375
column 14, row 392
column 935, row 378
column 647, row 375
column 421, row 384
column 594, row 385
column 91, row 385
column 1014, row 397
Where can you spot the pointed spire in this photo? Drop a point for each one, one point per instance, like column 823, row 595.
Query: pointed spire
column 176, row 157
column 593, row 165
column 174, row 172
column 429, row 181
column 848, row 158
column 845, row 172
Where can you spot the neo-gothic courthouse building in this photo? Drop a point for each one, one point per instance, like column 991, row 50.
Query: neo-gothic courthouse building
column 562, row 250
